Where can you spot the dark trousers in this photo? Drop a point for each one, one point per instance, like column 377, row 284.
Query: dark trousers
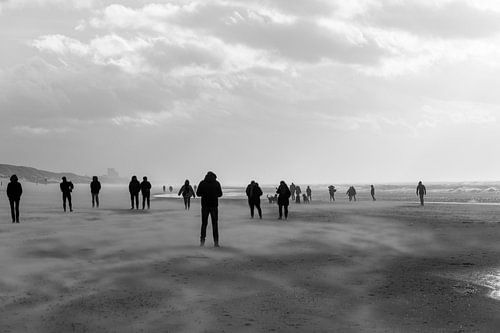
column 14, row 209
column 214, row 214
column 282, row 207
column 255, row 204
column 67, row 196
column 145, row 198
column 421, row 199
column 187, row 202
column 134, row 197
column 95, row 199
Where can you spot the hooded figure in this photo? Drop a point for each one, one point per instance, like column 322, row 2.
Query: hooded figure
column 134, row 187
column 146, row 191
column 421, row 191
column 284, row 194
column 66, row 189
column 210, row 191
column 254, row 192
column 95, row 187
column 14, row 192
column 187, row 192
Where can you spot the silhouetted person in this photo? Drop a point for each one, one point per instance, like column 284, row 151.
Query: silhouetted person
column 372, row 192
column 292, row 190
column 284, row 195
column 351, row 193
column 254, row 192
column 421, row 191
column 95, row 187
column 146, row 191
column 298, row 192
column 164, row 189
column 187, row 192
column 309, row 193
column 14, row 192
column 134, row 187
column 331, row 191
column 66, row 189
column 170, row 188
column 210, row 191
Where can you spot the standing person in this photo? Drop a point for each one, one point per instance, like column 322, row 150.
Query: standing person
column 164, row 189
column 14, row 192
column 421, row 191
column 146, row 191
column 210, row 191
column 134, row 187
column 66, row 189
column 331, row 191
column 309, row 193
column 95, row 187
column 284, row 195
column 372, row 192
column 298, row 191
column 254, row 192
column 292, row 190
column 187, row 192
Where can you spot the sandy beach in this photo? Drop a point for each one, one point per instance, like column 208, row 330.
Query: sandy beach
column 346, row 267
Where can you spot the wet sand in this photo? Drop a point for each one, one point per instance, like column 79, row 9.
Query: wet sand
column 347, row 267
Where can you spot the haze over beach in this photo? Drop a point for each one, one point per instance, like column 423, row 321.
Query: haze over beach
column 320, row 93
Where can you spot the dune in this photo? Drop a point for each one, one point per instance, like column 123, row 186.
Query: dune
column 349, row 267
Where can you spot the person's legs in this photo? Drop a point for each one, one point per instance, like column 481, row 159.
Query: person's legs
column 131, row 201
column 280, row 210
column 257, row 204
column 204, row 221
column 421, row 199
column 12, row 212
column 136, row 196
column 252, row 206
column 185, row 202
column 16, row 203
column 148, row 197
column 214, row 214
column 64, row 201
column 188, row 203
column 93, row 200
column 69, row 202
column 143, row 200
column 286, row 211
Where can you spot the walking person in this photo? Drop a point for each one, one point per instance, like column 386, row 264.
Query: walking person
column 134, row 187
column 145, row 191
column 309, row 193
column 298, row 192
column 254, row 193
column 14, row 192
column 292, row 190
column 331, row 191
column 210, row 191
column 284, row 195
column 187, row 192
column 95, row 187
column 372, row 192
column 66, row 189
column 421, row 192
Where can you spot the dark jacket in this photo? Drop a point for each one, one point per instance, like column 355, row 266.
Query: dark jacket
column 283, row 194
column 95, row 186
column 421, row 190
column 253, row 192
column 145, row 186
column 186, row 191
column 14, row 190
column 209, row 190
column 66, row 187
column 134, row 187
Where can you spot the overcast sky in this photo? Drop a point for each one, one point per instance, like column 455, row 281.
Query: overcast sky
column 309, row 91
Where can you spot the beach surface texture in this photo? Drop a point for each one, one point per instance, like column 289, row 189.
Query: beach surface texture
column 384, row 266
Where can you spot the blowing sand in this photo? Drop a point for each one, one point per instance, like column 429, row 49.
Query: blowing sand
column 347, row 267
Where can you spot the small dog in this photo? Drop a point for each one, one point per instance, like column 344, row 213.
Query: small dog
column 305, row 199
column 272, row 199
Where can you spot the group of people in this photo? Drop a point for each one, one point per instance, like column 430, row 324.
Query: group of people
column 209, row 190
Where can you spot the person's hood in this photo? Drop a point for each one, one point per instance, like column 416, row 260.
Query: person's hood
column 210, row 177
